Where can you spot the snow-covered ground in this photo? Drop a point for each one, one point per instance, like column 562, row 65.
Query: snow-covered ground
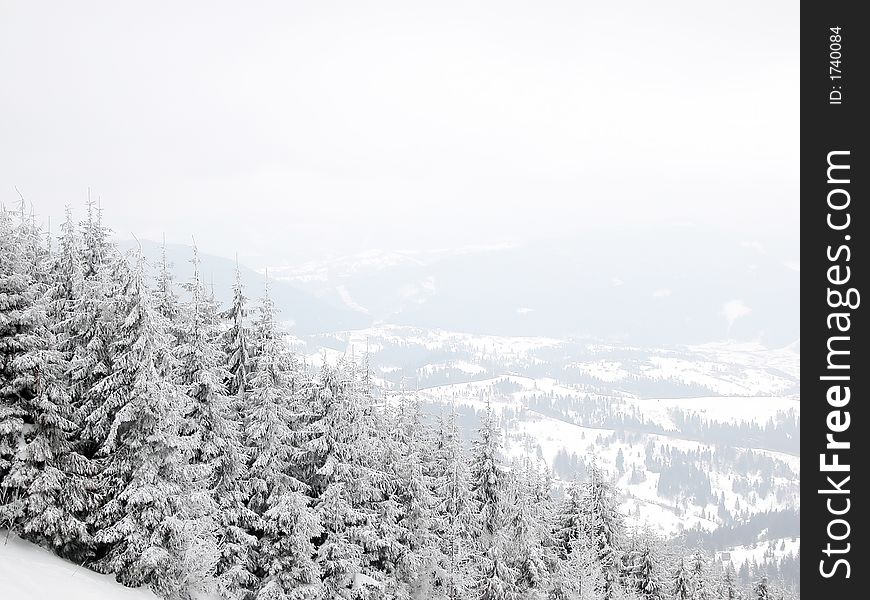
column 771, row 549
column 563, row 399
column 28, row 572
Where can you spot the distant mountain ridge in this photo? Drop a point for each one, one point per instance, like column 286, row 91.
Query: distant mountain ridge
column 303, row 312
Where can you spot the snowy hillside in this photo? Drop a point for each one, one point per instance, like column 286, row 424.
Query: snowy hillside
column 699, row 436
column 28, row 572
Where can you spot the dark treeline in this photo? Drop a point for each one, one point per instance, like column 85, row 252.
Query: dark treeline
column 155, row 436
column 781, row 434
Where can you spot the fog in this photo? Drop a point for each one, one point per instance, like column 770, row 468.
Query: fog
column 290, row 130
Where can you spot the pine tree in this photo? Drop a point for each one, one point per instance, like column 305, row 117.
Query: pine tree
column 336, row 460
column 409, row 550
column 603, row 524
column 65, row 286
column 681, row 582
column 700, row 577
column 761, row 589
column 166, row 301
column 285, row 558
column 578, row 575
column 456, row 512
column 530, row 549
column 570, row 526
column 498, row 578
column 646, row 579
column 95, row 315
column 487, row 477
column 235, row 341
column 47, row 479
column 41, row 485
column 729, row 583
column 97, row 249
column 154, row 525
column 18, row 294
column 218, row 455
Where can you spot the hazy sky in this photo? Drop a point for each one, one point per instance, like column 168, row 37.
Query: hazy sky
column 294, row 128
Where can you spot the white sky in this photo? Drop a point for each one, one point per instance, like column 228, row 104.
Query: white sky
column 292, row 128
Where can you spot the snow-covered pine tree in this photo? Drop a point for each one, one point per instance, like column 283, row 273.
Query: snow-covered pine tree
column 411, row 554
column 603, row 523
column 487, row 477
column 235, row 340
column 18, row 294
column 41, row 483
column 286, row 520
column 97, row 249
column 291, row 527
column 578, row 575
column 647, row 579
column 65, row 279
column 166, row 301
column 337, row 461
column 700, row 573
column 218, row 455
column 456, row 514
column 95, row 315
column 531, row 553
column 681, row 581
column 497, row 578
column 47, row 483
column 729, row 584
column 761, row 589
column 154, row 527
column 569, row 522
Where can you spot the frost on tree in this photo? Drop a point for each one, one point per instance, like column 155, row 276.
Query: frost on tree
column 456, row 513
column 218, row 458
column 236, row 342
column 280, row 500
column 487, row 477
column 155, row 526
column 42, row 489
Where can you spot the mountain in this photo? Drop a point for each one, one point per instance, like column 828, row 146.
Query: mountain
column 302, row 311
column 700, row 437
column 678, row 285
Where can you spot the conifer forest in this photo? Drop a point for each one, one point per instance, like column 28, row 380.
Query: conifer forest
column 150, row 433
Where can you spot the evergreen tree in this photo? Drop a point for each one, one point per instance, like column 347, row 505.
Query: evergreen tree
column 18, row 341
column 527, row 527
column 95, row 315
column 235, row 341
column 47, row 484
column 456, row 512
column 287, row 556
column 286, row 520
column 761, row 589
column 487, row 477
column 217, row 456
column 154, row 526
column 681, row 582
column 41, row 485
column 729, row 583
column 498, row 578
column 336, row 460
column 700, row 578
column 647, row 580
column 603, row 524
column 166, row 301
column 410, row 544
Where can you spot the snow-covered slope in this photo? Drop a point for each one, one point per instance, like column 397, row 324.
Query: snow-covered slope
column 700, row 436
column 28, row 572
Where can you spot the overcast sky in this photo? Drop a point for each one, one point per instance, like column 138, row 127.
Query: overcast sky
column 295, row 128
